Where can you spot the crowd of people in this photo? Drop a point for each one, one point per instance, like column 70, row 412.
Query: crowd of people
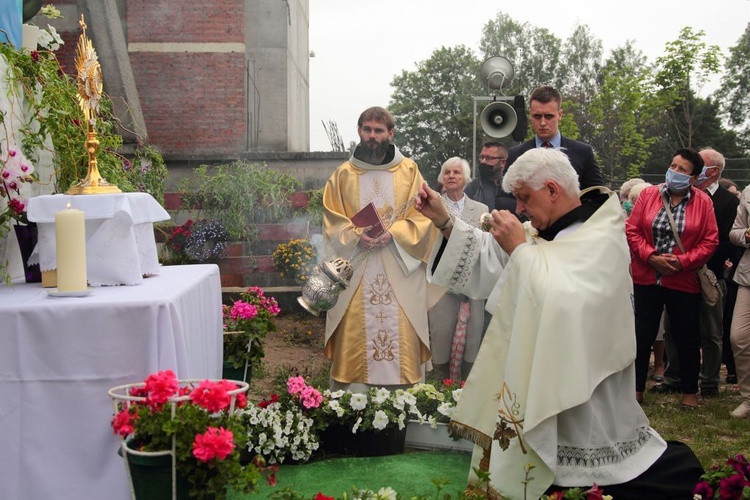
column 495, row 280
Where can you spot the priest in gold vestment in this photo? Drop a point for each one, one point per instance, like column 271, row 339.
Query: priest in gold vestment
column 377, row 332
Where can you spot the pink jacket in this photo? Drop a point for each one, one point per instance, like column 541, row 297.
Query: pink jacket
column 700, row 238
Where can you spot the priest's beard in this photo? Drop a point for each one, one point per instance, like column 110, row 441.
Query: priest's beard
column 373, row 152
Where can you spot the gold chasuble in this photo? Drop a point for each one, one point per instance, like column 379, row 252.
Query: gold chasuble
column 377, row 332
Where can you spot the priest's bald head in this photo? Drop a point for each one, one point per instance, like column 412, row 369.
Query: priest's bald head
column 545, row 185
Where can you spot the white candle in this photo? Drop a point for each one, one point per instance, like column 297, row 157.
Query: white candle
column 70, row 240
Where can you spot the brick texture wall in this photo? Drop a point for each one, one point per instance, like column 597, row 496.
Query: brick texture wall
column 192, row 101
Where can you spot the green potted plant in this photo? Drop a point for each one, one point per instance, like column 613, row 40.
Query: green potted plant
column 195, row 242
column 365, row 424
column 247, row 321
column 240, row 195
column 295, row 259
column 189, row 427
column 284, row 428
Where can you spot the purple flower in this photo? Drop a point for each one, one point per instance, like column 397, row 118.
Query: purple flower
column 704, row 490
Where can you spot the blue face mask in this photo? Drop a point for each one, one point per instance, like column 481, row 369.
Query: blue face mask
column 702, row 177
column 676, row 182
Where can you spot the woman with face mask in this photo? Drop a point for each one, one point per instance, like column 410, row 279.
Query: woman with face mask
column 664, row 275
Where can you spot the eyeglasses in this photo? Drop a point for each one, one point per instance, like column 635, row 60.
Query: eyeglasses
column 485, row 157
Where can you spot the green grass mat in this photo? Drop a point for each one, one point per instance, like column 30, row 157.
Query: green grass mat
column 409, row 474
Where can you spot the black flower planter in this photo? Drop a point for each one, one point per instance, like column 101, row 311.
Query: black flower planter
column 339, row 440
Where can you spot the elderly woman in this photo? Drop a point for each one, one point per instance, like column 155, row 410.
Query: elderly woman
column 456, row 321
column 740, row 331
column 664, row 275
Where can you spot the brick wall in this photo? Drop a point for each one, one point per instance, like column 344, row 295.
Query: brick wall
column 195, row 101
column 195, row 92
column 185, row 21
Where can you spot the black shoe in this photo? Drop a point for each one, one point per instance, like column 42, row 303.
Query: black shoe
column 665, row 389
column 709, row 392
column 731, row 379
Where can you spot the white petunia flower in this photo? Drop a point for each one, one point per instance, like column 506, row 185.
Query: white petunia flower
column 358, row 402
column 380, row 420
column 387, row 493
column 356, row 425
column 446, row 409
column 381, row 396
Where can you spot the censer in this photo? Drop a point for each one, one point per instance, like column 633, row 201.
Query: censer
column 321, row 290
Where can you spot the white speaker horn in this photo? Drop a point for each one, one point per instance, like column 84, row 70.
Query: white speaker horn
column 498, row 119
column 497, row 71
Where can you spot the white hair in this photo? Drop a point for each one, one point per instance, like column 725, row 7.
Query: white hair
column 712, row 158
column 627, row 186
column 464, row 168
column 635, row 191
column 539, row 165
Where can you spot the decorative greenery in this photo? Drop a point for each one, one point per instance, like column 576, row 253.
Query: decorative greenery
column 281, row 428
column 314, row 208
column 435, row 404
column 201, row 420
column 295, row 259
column 377, row 409
column 240, row 195
column 251, row 318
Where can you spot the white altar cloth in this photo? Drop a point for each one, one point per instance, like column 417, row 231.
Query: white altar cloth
column 120, row 244
column 59, row 356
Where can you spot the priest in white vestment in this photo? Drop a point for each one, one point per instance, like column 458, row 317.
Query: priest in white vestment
column 552, row 386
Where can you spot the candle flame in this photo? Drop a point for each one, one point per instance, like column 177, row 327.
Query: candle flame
column 68, row 206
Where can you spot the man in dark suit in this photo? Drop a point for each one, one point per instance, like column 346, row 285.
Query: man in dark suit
column 488, row 187
column 710, row 318
column 545, row 111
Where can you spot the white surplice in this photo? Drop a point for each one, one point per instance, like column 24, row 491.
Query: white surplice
column 554, row 380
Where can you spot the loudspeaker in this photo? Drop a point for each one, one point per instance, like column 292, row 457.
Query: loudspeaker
column 497, row 71
column 498, row 119
column 519, row 106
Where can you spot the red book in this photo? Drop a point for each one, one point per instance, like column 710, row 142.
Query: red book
column 369, row 218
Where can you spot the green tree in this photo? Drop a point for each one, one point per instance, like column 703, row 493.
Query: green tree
column 535, row 52
column 619, row 108
column 734, row 92
column 581, row 70
column 682, row 72
column 433, row 108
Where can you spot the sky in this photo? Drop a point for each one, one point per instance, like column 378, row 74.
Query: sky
column 360, row 45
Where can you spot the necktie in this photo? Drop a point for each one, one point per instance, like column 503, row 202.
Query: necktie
column 546, row 144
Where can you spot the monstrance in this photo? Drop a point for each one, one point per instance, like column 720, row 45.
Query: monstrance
column 89, row 94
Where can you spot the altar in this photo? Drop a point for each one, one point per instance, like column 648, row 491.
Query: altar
column 120, row 244
column 60, row 355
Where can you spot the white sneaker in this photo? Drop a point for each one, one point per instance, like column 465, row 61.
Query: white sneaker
column 742, row 411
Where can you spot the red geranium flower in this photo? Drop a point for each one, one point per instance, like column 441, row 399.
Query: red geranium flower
column 214, row 443
column 160, row 387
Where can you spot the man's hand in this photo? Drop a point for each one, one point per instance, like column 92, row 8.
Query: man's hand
column 665, row 264
column 507, row 230
column 430, row 204
column 379, row 242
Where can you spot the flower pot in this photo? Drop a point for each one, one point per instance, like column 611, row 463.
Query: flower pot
column 229, row 372
column 424, row 437
column 151, row 477
column 339, row 440
column 27, row 236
